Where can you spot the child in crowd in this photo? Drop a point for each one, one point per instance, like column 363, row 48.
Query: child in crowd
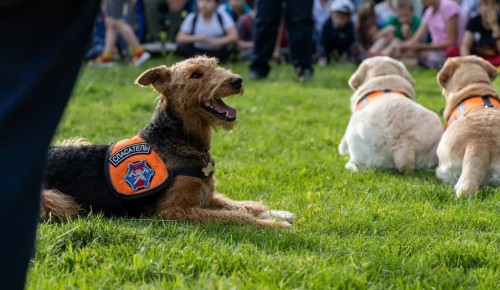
column 366, row 26
column 207, row 32
column 384, row 11
column 482, row 35
column 246, row 26
column 321, row 12
column 399, row 28
column 338, row 32
column 235, row 8
column 445, row 23
column 115, row 24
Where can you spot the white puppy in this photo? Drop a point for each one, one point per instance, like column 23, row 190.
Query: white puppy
column 388, row 129
column 469, row 152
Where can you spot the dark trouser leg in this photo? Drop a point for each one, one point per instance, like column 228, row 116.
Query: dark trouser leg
column 152, row 15
column 187, row 50
column 266, row 29
column 175, row 24
column 41, row 50
column 300, row 25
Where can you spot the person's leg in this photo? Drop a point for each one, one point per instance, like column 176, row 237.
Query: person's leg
column 222, row 53
column 175, row 24
column 300, row 26
column 110, row 37
column 113, row 11
column 124, row 29
column 127, row 33
column 152, row 15
column 39, row 64
column 380, row 44
column 266, row 29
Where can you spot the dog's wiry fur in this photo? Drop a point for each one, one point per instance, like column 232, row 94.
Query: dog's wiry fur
column 392, row 132
column 180, row 132
column 469, row 152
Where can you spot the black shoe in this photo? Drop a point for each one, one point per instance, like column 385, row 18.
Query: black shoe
column 306, row 75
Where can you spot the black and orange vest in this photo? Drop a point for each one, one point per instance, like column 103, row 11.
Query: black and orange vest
column 366, row 99
column 133, row 169
column 469, row 104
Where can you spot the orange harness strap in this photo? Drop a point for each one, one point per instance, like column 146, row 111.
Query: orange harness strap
column 469, row 104
column 366, row 99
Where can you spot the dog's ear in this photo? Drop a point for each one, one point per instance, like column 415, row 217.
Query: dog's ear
column 446, row 71
column 158, row 77
column 404, row 72
column 488, row 67
column 359, row 76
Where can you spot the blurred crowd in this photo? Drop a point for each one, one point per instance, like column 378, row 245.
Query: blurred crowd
column 418, row 32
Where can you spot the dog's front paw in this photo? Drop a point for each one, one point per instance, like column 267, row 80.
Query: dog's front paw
column 273, row 223
column 279, row 215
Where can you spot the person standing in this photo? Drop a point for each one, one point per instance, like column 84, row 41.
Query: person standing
column 41, row 52
column 299, row 23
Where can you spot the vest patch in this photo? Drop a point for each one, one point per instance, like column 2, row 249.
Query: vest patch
column 122, row 154
column 139, row 175
column 133, row 169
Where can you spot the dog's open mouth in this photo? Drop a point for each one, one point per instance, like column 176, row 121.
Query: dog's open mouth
column 218, row 108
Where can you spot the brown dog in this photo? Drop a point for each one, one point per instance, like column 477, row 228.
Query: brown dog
column 469, row 151
column 166, row 170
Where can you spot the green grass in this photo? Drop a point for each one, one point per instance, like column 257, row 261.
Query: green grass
column 367, row 230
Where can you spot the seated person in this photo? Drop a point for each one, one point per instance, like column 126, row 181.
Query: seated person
column 445, row 23
column 384, row 11
column 208, row 32
column 482, row 35
column 159, row 13
column 321, row 13
column 246, row 26
column 337, row 35
column 399, row 28
column 366, row 28
column 235, row 8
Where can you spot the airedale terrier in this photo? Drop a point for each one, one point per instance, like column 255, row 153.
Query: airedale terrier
column 165, row 170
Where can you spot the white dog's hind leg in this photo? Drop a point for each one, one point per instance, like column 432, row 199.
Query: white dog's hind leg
column 351, row 166
column 474, row 167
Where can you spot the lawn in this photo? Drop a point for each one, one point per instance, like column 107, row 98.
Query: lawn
column 372, row 229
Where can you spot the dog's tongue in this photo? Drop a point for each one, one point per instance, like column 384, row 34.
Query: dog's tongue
column 222, row 108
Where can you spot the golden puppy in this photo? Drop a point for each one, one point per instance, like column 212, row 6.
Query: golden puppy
column 469, row 152
column 388, row 129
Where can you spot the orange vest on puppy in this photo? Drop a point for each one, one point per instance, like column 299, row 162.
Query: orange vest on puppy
column 471, row 103
column 134, row 169
column 365, row 100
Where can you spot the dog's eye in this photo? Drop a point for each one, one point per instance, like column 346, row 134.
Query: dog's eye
column 196, row 75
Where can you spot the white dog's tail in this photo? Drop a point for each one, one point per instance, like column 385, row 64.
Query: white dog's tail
column 404, row 159
column 474, row 167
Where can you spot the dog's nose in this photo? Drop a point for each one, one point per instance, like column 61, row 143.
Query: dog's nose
column 236, row 83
